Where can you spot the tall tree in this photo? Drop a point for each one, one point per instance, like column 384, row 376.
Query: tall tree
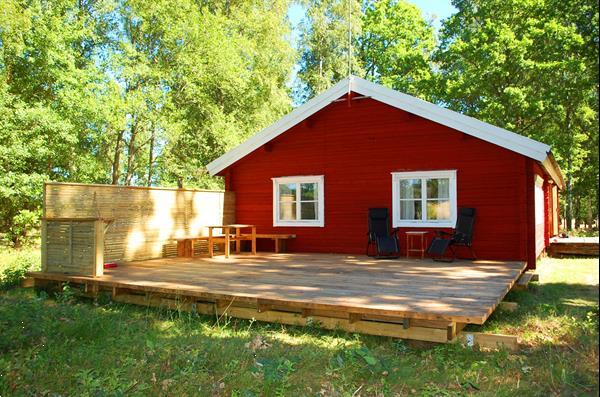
column 47, row 102
column 325, row 46
column 530, row 66
column 131, row 92
column 227, row 67
column 396, row 46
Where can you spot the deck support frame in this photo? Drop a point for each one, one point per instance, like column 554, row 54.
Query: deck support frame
column 438, row 331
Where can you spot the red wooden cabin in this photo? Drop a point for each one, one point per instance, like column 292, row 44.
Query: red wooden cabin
column 315, row 173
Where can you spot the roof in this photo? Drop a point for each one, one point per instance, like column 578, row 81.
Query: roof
column 509, row 140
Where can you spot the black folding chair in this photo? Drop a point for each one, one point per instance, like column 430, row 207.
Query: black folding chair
column 385, row 242
column 462, row 236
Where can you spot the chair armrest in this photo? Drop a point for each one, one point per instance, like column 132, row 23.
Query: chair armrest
column 459, row 237
column 441, row 233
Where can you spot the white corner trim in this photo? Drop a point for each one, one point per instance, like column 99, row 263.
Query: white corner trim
column 468, row 125
column 320, row 181
column 398, row 176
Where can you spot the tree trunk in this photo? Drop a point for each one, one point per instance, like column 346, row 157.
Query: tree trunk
column 117, row 159
column 150, row 158
column 569, row 209
column 590, row 213
column 131, row 152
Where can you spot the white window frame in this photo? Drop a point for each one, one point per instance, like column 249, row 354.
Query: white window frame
column 320, row 181
column 423, row 175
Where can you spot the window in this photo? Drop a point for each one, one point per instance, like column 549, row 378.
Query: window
column 298, row 201
column 424, row 199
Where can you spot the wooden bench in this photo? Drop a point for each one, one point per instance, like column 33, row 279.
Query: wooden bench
column 280, row 240
column 185, row 247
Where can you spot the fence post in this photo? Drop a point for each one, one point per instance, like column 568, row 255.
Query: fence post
column 98, row 248
column 43, row 246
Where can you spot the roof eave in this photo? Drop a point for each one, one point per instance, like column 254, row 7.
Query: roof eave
column 552, row 168
column 479, row 129
column 460, row 122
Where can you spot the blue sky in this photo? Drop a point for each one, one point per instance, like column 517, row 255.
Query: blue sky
column 437, row 9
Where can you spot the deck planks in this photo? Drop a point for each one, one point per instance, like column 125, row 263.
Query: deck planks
column 465, row 292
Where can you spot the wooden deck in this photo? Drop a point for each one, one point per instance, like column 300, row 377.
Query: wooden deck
column 406, row 298
column 576, row 246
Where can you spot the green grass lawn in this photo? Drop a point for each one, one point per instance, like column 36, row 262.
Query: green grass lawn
column 61, row 346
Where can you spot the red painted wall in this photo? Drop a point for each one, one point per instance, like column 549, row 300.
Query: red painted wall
column 356, row 148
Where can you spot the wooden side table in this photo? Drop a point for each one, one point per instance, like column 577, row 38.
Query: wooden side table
column 422, row 239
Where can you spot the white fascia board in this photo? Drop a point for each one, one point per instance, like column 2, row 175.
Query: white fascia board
column 469, row 125
column 549, row 164
column 288, row 121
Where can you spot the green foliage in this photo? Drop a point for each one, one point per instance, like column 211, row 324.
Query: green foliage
column 324, row 45
column 79, row 348
column 396, row 47
column 14, row 264
column 391, row 44
column 131, row 92
column 145, row 93
column 530, row 66
column 66, row 295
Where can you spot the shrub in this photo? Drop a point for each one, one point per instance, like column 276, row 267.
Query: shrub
column 22, row 225
column 15, row 263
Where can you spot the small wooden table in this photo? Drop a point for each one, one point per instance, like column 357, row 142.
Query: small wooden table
column 423, row 240
column 228, row 237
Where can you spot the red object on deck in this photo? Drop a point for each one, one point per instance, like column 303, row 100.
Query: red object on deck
column 110, row 265
column 357, row 148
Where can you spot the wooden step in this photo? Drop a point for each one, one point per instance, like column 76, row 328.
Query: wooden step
column 28, row 282
column 523, row 281
column 508, row 306
column 489, row 341
column 535, row 277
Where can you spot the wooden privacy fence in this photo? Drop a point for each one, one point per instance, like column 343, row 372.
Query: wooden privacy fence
column 86, row 225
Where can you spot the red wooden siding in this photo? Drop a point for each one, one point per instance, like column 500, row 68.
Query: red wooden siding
column 356, row 148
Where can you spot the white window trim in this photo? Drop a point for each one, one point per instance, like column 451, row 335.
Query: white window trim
column 319, row 180
column 397, row 176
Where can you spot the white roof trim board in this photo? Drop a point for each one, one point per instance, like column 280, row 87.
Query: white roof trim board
column 468, row 125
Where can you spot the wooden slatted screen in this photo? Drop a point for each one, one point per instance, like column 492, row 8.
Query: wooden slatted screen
column 73, row 246
column 140, row 223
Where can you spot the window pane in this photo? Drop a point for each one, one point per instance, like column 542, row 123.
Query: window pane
column 438, row 188
column 438, row 209
column 308, row 211
column 308, row 191
column 410, row 210
column 287, row 211
column 410, row 188
column 287, row 192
